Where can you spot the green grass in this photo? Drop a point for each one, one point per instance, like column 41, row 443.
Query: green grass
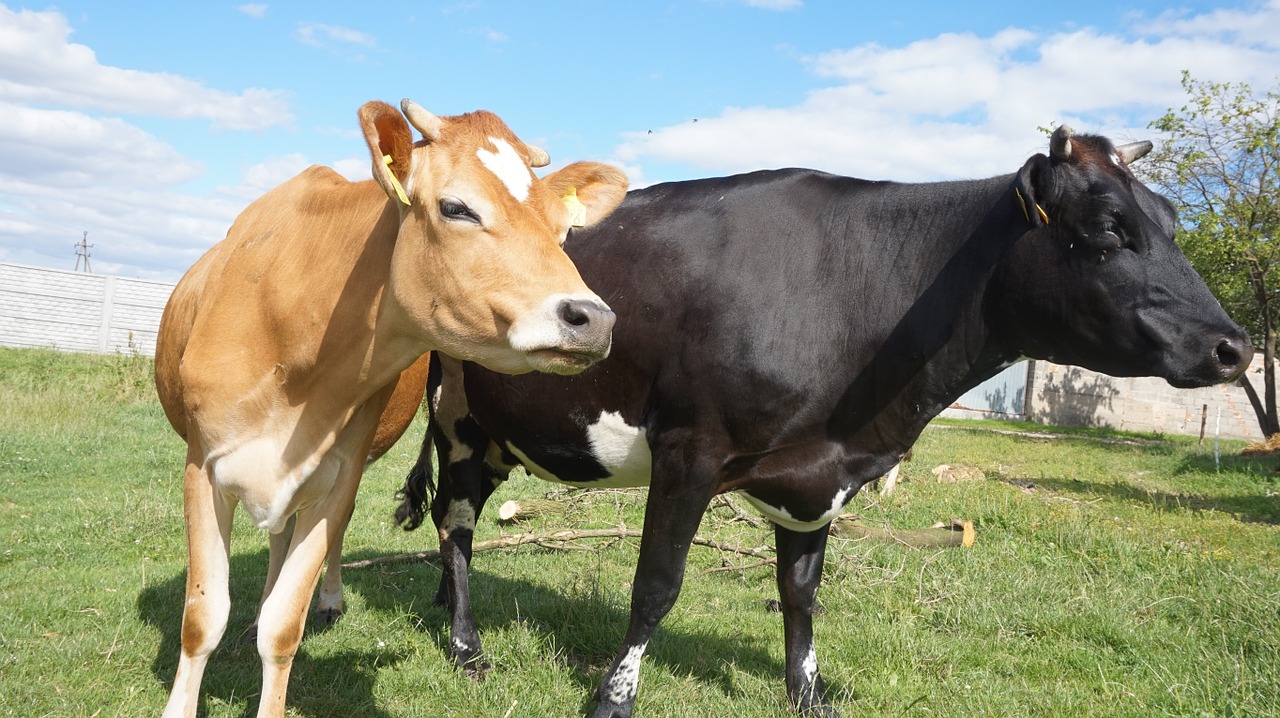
column 1114, row 575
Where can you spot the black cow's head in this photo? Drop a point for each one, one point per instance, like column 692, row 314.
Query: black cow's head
column 1098, row 282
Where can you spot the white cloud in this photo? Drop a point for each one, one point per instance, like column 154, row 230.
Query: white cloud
column 963, row 105
column 324, row 36
column 774, row 4
column 253, row 9
column 39, row 65
column 69, row 166
column 262, row 176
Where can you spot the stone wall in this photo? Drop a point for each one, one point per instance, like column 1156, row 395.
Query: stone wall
column 1071, row 396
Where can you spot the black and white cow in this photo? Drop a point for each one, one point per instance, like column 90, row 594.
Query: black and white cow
column 788, row 334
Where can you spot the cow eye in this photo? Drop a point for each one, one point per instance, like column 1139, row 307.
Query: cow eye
column 453, row 209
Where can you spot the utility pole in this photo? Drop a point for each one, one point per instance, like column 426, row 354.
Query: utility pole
column 82, row 250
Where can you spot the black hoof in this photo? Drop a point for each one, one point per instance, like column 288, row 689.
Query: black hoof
column 327, row 616
column 476, row 669
column 609, row 709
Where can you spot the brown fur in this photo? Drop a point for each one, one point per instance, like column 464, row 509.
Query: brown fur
column 296, row 347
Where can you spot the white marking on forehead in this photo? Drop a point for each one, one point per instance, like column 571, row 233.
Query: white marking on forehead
column 509, row 167
column 782, row 517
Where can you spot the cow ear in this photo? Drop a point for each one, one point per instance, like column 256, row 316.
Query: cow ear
column 1030, row 188
column 390, row 146
column 590, row 190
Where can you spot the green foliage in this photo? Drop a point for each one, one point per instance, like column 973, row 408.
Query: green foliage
column 1113, row 575
column 1220, row 164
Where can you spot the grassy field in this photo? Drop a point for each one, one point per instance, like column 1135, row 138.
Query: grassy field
column 1113, row 575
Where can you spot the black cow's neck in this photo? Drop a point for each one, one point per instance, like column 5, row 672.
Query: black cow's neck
column 938, row 345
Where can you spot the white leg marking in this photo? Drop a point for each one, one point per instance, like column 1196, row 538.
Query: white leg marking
column 461, row 515
column 626, row 680
column 507, row 165
column 810, row 665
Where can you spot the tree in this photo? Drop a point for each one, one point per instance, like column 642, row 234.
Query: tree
column 1220, row 164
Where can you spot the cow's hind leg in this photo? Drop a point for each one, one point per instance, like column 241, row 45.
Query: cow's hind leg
column 329, row 601
column 800, row 556
column 277, row 547
column 284, row 613
column 676, row 502
column 208, row 598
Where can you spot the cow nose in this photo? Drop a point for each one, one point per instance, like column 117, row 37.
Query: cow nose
column 1233, row 355
column 581, row 315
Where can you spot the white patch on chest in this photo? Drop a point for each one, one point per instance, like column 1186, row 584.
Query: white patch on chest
column 507, row 165
column 621, row 449
column 617, row 446
column 782, row 517
column 269, row 490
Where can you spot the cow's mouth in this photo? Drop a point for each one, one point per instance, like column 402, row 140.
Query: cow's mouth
column 564, row 361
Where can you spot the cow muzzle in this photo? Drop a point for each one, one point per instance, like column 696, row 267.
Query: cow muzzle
column 1233, row 355
column 1224, row 359
column 567, row 336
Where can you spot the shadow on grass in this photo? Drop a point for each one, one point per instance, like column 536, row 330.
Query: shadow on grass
column 586, row 626
column 234, row 672
column 1248, row 509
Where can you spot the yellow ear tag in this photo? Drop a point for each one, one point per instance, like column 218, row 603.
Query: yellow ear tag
column 577, row 210
column 1022, row 202
column 1043, row 216
column 395, row 183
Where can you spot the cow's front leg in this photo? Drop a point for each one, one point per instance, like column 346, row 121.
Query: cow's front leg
column 800, row 556
column 671, row 520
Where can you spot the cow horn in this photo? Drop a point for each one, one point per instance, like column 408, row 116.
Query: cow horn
column 428, row 124
column 538, row 157
column 1133, row 151
column 1060, row 143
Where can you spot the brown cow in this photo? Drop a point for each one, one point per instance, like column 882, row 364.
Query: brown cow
column 280, row 347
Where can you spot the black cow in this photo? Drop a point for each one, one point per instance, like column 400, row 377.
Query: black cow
column 788, row 334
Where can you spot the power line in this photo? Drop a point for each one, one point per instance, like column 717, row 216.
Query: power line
column 82, row 250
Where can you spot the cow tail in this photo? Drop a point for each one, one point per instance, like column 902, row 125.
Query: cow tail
column 419, row 485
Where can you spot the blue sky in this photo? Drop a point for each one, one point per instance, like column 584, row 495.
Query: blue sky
column 151, row 125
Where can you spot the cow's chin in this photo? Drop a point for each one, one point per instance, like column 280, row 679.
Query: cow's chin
column 563, row 362
column 1206, row 374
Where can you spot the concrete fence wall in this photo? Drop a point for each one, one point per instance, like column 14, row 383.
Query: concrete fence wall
column 73, row 311
column 1071, row 396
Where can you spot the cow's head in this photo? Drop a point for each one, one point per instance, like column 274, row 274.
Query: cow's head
column 1098, row 282
column 478, row 270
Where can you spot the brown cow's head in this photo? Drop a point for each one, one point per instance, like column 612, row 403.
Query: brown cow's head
column 478, row 269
